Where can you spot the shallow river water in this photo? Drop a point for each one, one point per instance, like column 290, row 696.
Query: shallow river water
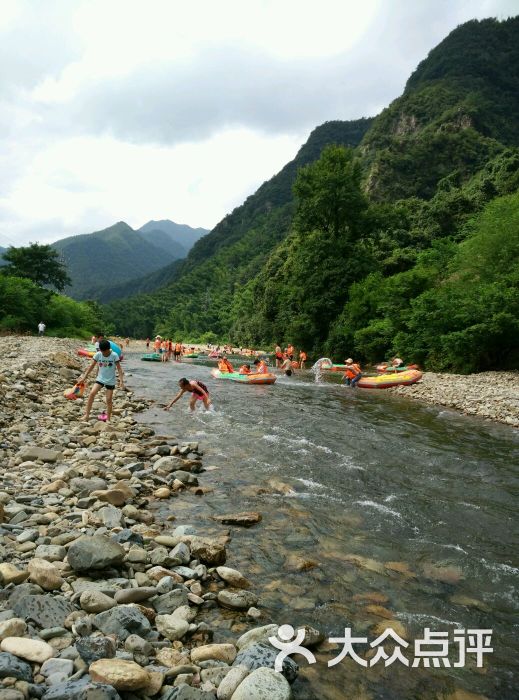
column 399, row 513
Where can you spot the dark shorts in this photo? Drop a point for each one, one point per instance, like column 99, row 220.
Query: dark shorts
column 106, row 386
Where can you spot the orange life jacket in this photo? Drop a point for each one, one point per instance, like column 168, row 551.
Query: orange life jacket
column 262, row 368
column 244, row 369
column 225, row 366
column 352, row 371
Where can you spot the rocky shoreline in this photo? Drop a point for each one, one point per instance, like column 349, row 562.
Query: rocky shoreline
column 101, row 598
column 491, row 395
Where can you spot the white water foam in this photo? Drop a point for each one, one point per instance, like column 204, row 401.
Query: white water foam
column 380, row 507
column 422, row 618
column 311, row 484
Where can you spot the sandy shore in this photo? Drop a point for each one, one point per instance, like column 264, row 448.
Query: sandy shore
column 492, row 395
column 101, row 595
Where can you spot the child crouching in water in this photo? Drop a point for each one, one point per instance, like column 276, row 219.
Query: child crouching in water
column 198, row 391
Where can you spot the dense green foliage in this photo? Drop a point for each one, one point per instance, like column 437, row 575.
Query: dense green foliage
column 38, row 263
column 115, row 255
column 23, row 304
column 389, row 248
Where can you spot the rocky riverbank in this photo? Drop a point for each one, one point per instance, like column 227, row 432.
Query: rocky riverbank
column 100, row 597
column 492, row 395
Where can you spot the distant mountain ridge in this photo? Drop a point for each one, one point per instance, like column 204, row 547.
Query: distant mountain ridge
column 119, row 254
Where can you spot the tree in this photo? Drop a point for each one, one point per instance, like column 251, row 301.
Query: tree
column 38, row 263
column 329, row 195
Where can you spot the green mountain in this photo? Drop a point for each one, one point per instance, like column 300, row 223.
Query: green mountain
column 376, row 232
column 115, row 254
column 184, row 235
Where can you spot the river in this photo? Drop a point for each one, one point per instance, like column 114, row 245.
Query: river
column 397, row 512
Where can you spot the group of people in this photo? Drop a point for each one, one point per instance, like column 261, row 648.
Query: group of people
column 225, row 366
column 286, row 359
column 167, row 349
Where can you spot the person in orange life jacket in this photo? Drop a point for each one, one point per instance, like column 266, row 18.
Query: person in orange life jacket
column 198, row 391
column 302, row 359
column 224, row 365
column 352, row 373
column 244, row 369
column 290, row 352
column 261, row 367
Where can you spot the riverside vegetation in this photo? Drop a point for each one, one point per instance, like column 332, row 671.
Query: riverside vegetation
column 389, row 235
column 101, row 597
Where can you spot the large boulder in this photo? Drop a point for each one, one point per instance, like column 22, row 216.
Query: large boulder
column 96, row 552
column 263, row 684
column 263, row 655
column 123, row 621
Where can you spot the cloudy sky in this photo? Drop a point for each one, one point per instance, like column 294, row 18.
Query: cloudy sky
column 134, row 110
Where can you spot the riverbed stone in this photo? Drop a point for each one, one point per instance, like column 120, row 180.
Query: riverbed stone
column 82, row 689
column 135, row 595
column 218, row 652
column 119, row 673
column 13, row 667
column 237, row 599
column 123, row 620
column 232, row 577
column 84, row 487
column 166, row 604
column 32, row 452
column 91, row 649
column 186, row 692
column 44, row 574
column 231, row 681
column 98, row 552
column 245, row 519
column 263, row 655
column 96, row 602
column 50, row 552
column 208, row 551
column 263, row 684
column 171, row 627
column 45, row 610
column 15, row 627
column 9, row 573
column 258, row 634
column 29, row 649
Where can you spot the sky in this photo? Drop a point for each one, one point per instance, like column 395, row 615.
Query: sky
column 131, row 110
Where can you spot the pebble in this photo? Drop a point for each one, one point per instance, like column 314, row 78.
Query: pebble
column 28, row 649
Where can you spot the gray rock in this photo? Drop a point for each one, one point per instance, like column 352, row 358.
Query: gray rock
column 92, row 649
column 123, row 621
column 62, row 666
column 167, row 603
column 138, row 645
column 112, row 517
column 11, row 694
column 128, row 535
column 264, row 656
column 135, row 595
column 84, row 487
column 186, row 478
column 185, row 572
column 181, row 552
column 82, row 689
column 168, row 464
column 263, row 684
column 45, row 610
column 31, row 452
column 50, row 552
column 186, row 692
column 13, row 667
column 237, row 599
column 98, row 552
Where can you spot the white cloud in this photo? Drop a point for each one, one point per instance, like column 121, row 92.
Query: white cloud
column 132, row 110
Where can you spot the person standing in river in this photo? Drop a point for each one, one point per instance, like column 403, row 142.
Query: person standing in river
column 198, row 391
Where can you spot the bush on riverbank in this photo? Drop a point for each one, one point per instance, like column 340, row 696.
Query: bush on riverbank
column 23, row 304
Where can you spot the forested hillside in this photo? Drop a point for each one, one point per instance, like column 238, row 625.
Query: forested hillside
column 407, row 242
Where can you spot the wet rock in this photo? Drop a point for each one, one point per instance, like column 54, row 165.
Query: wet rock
column 207, row 551
column 245, row 519
column 167, row 603
column 444, row 574
column 395, row 625
column 186, row 692
column 237, row 599
column 258, row 634
column 123, row 621
column 91, row 649
column 15, row 627
column 121, row 674
column 135, row 595
column 13, row 667
column 232, row 577
column 29, row 649
column 96, row 552
column 263, row 655
column 263, row 684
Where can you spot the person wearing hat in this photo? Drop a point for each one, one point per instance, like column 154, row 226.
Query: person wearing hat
column 352, row 373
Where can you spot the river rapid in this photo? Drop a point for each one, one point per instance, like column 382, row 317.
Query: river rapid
column 388, row 512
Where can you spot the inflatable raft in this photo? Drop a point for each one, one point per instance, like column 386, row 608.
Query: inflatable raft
column 267, row 378
column 90, row 350
column 385, row 367
column 191, row 355
column 152, row 357
column 385, row 381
